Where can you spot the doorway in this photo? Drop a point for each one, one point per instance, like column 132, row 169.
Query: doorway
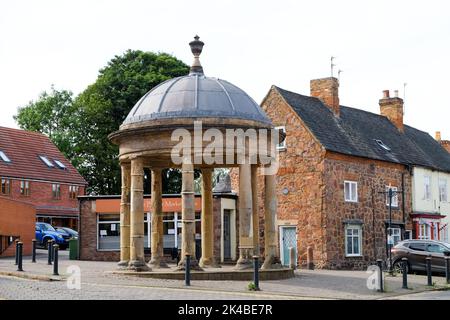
column 227, row 234
column 288, row 238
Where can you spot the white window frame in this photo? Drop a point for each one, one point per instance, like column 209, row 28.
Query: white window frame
column 353, row 227
column 394, row 196
column 47, row 161
column 408, row 235
column 427, row 187
column 282, row 145
column 396, row 234
column 427, row 229
column 4, row 157
column 443, row 190
column 349, row 198
column 98, row 231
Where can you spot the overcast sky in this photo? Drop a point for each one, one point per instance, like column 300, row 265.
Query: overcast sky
column 253, row 44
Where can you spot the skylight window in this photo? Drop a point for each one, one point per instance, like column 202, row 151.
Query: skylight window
column 60, row 164
column 4, row 157
column 382, row 145
column 46, row 161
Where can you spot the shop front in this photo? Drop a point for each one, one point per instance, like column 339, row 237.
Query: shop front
column 100, row 224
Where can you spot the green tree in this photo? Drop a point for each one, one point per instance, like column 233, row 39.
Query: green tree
column 100, row 110
column 104, row 105
column 52, row 114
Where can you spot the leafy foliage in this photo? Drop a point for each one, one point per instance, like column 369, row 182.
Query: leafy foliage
column 80, row 126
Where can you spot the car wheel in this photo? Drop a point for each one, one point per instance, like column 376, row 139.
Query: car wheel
column 398, row 267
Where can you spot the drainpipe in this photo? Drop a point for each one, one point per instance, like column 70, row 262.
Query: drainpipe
column 373, row 227
column 403, row 199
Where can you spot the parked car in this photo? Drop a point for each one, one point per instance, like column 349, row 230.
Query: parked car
column 45, row 232
column 64, row 230
column 416, row 251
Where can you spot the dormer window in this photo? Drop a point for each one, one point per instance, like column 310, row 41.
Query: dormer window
column 46, row 161
column 382, row 145
column 4, row 157
column 60, row 164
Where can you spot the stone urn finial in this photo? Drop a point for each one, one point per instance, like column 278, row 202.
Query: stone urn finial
column 196, row 49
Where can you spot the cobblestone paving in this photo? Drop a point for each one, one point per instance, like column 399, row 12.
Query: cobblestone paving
column 98, row 284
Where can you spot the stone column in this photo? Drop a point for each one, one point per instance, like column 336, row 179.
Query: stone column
column 125, row 217
column 255, row 208
column 245, row 217
column 157, row 260
column 188, row 216
column 207, row 259
column 271, row 259
column 137, row 261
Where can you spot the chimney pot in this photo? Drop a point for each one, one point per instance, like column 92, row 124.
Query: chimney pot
column 385, row 94
column 395, row 93
column 438, row 136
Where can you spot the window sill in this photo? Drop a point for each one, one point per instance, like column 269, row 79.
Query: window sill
column 282, row 149
column 350, row 201
column 354, row 256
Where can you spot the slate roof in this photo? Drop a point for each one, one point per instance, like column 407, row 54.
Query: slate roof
column 23, row 148
column 354, row 133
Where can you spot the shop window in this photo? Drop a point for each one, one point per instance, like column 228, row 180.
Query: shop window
column 108, row 233
column 424, row 231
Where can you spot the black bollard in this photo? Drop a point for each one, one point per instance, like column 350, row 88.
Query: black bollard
column 447, row 269
column 256, row 272
column 52, row 251
column 17, row 252
column 55, row 257
column 20, row 256
column 187, row 275
column 430, row 282
column 33, row 250
column 49, row 245
column 405, row 273
column 380, row 266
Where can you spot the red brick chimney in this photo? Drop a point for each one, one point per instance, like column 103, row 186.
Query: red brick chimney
column 444, row 143
column 392, row 108
column 327, row 90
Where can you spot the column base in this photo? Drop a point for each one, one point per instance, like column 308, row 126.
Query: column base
column 123, row 264
column 138, row 266
column 158, row 264
column 271, row 263
column 243, row 264
column 208, row 263
column 193, row 263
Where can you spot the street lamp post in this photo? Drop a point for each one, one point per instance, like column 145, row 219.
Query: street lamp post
column 390, row 194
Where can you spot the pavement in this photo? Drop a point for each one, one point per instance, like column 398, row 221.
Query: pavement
column 97, row 283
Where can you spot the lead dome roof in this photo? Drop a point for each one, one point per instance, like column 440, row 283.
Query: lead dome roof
column 196, row 96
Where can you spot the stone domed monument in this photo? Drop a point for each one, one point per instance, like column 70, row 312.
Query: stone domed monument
column 151, row 132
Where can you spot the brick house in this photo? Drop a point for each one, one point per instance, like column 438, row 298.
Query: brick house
column 34, row 171
column 336, row 165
